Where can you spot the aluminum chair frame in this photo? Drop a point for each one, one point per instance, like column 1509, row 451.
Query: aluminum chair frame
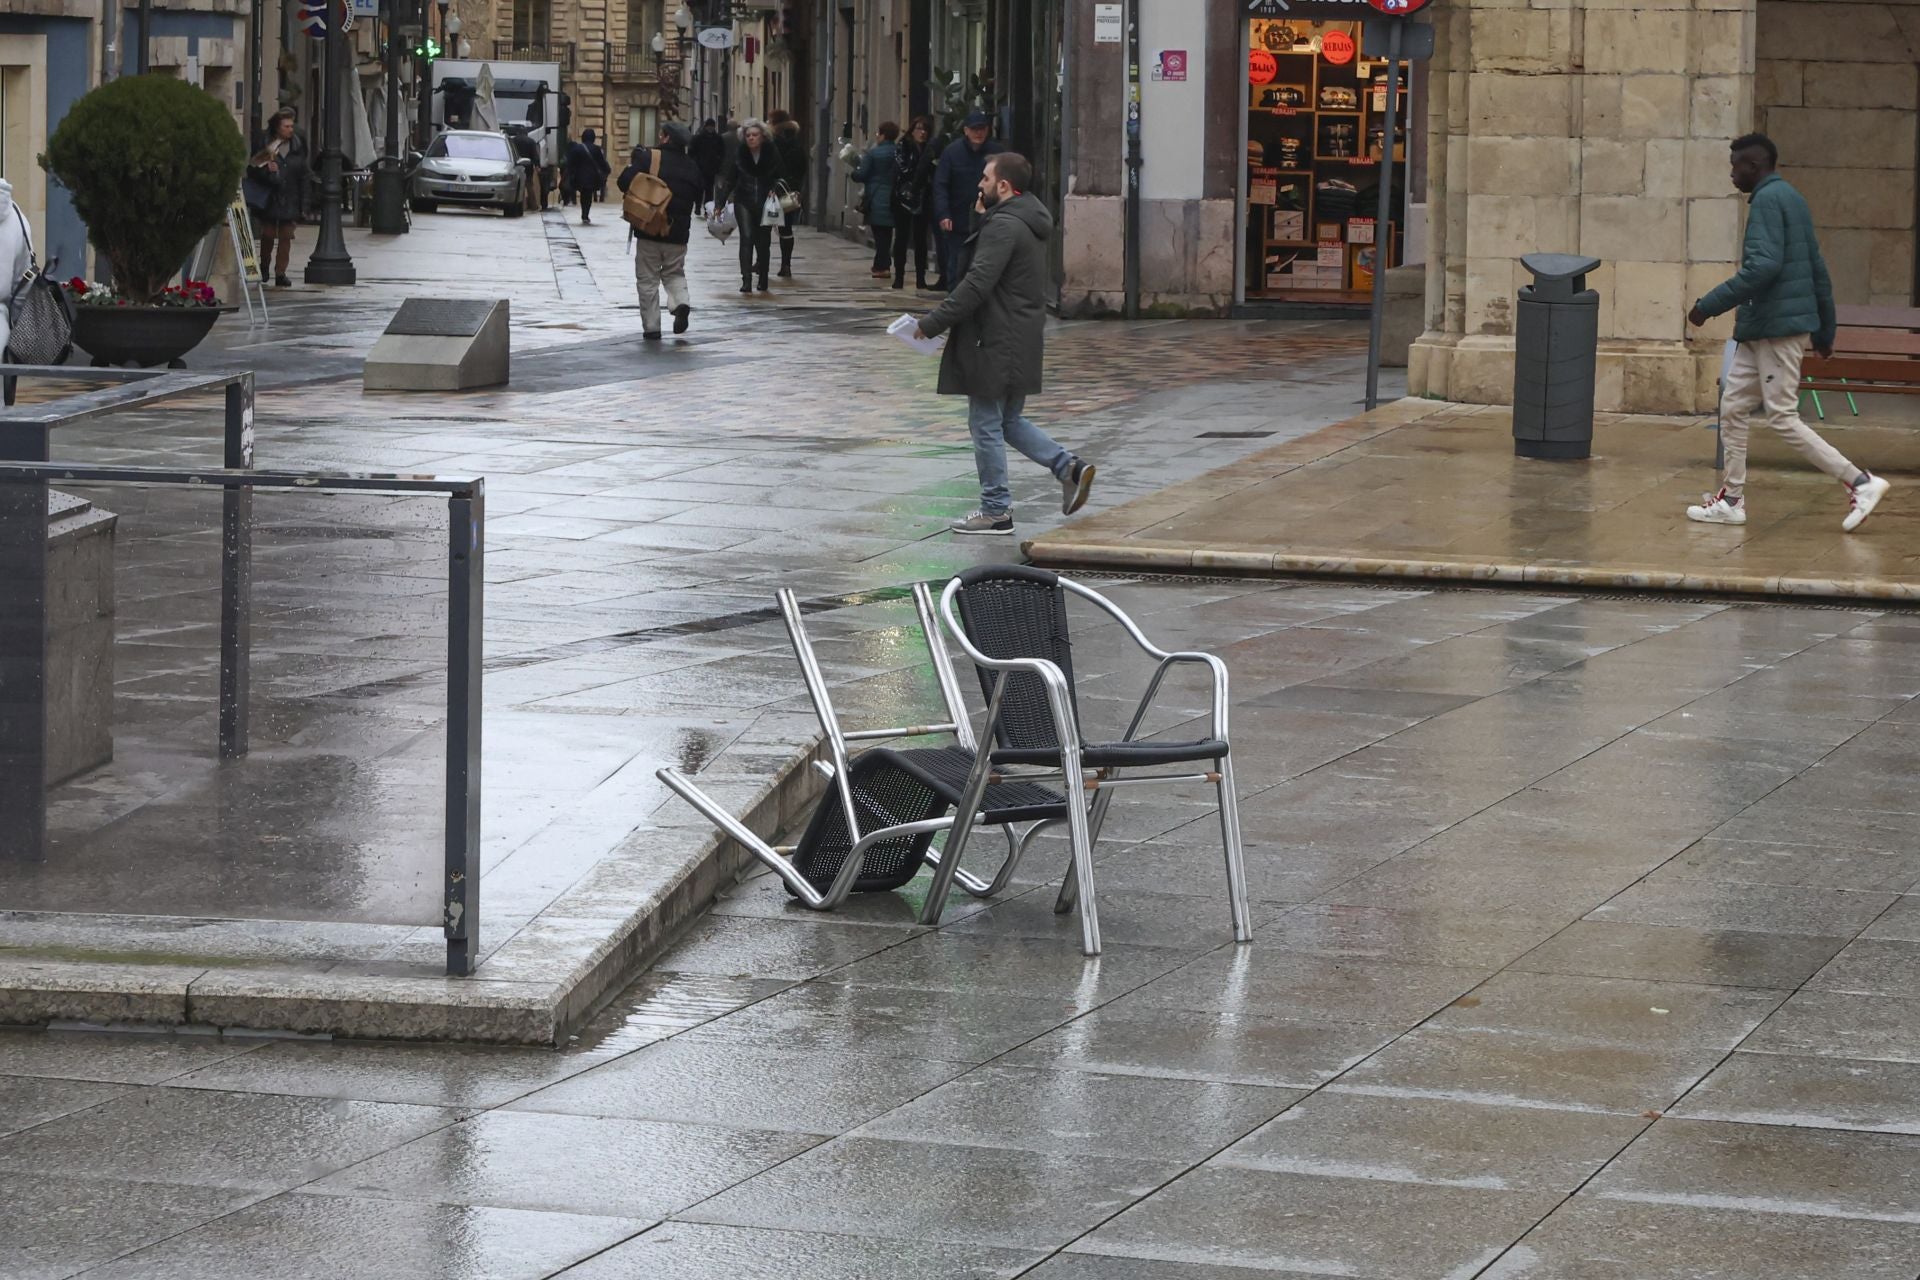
column 1085, row 819
column 838, row 770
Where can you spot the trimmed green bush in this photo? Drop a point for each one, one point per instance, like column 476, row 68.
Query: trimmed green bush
column 152, row 164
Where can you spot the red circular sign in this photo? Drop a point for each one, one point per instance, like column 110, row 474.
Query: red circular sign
column 1398, row 8
column 1337, row 47
column 1261, row 66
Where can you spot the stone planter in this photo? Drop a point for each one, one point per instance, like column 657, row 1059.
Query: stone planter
column 143, row 336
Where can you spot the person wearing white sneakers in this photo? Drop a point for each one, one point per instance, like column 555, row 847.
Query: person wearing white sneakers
column 1785, row 299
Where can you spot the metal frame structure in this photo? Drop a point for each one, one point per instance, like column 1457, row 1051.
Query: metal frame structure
column 838, row 769
column 1084, row 820
column 26, row 468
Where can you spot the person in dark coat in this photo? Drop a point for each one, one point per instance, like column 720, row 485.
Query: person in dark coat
column 912, row 201
column 793, row 171
column 876, row 173
column 525, row 149
column 709, row 152
column 956, row 182
column 747, row 182
column 661, row 259
column 277, row 194
column 587, row 172
column 996, row 319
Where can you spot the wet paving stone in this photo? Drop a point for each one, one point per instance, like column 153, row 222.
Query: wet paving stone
column 52, row 1226
column 1814, row 1092
column 26, row 1101
column 698, row 1251
column 437, row 1076
column 1672, row 953
column 930, row 1192
column 294, row 1236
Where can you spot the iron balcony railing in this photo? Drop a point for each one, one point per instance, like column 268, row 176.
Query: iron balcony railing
column 512, row 51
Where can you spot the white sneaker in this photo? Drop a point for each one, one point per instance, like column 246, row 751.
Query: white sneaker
column 1718, row 508
column 1864, row 497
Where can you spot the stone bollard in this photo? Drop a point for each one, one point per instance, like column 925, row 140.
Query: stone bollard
column 80, row 611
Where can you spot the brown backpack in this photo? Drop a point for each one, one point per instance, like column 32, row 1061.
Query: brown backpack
column 645, row 204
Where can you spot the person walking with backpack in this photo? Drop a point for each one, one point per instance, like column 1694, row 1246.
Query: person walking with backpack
column 1785, row 297
column 912, row 210
column 747, row 184
column 876, row 172
column 587, row 171
column 661, row 189
column 997, row 315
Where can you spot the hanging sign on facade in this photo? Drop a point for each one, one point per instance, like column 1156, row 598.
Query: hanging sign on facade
column 715, row 38
column 1109, row 26
column 1262, row 67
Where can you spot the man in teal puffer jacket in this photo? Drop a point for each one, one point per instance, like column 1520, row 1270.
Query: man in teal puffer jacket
column 1785, row 296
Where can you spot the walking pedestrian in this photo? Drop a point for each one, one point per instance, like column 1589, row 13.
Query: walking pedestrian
column 876, row 172
column 748, row 184
column 912, row 210
column 660, row 252
column 709, row 152
column 1785, row 298
column 996, row 321
column 956, row 182
column 527, row 151
column 587, row 171
column 792, row 149
column 277, row 177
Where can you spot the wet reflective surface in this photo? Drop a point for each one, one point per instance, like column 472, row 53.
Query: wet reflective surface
column 1586, row 937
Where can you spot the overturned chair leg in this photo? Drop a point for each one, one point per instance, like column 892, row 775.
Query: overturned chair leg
column 753, row 844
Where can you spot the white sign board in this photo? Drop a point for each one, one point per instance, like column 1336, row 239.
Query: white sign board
column 366, row 8
column 715, row 38
column 1108, row 25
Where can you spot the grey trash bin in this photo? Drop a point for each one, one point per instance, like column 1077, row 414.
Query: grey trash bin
column 1556, row 334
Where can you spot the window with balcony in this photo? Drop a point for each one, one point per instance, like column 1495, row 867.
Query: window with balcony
column 532, row 23
column 645, row 19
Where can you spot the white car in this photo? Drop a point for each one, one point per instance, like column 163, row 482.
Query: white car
column 465, row 166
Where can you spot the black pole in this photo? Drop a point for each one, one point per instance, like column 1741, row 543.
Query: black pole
column 423, row 74
column 256, row 73
column 1131, row 260
column 330, row 263
column 1383, row 226
column 389, row 197
column 146, row 25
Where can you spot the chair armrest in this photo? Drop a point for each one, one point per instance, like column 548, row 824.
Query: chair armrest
column 1168, row 662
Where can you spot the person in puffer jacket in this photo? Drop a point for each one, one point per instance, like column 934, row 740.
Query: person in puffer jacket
column 1785, row 299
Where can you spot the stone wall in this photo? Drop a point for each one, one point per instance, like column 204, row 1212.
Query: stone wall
column 1836, row 86
column 1585, row 126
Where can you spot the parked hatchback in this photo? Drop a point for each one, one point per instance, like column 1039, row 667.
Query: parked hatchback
column 473, row 167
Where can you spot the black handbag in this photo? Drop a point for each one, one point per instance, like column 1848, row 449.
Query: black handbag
column 40, row 312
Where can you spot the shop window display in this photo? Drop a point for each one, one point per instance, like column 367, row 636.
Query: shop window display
column 1317, row 125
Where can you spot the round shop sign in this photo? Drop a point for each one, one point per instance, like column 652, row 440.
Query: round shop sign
column 715, row 38
column 1262, row 67
column 1337, row 48
column 1398, row 8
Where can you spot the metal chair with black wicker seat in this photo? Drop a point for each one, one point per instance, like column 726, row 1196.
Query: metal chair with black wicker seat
column 874, row 828
column 1011, row 620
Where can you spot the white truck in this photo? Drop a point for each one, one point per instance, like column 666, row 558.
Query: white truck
column 476, row 93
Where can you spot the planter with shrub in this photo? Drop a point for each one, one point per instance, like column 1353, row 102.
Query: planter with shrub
column 152, row 164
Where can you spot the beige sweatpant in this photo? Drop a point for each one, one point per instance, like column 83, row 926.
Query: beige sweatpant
column 1765, row 382
column 656, row 263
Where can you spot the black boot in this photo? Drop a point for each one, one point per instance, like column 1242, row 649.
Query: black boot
column 763, row 282
column 786, row 260
column 746, row 283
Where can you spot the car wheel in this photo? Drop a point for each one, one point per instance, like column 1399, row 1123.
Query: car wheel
column 513, row 210
column 425, row 206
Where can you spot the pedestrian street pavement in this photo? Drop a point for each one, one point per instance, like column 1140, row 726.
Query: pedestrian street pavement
column 1586, row 927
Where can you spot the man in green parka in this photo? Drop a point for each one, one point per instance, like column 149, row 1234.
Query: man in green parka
column 1785, row 298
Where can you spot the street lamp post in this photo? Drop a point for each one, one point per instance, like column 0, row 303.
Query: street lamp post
column 330, row 263
column 389, row 194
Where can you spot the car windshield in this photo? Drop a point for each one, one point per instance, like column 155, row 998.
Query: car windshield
column 471, row 146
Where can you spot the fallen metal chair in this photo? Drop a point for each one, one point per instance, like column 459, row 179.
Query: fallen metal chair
column 1011, row 620
column 874, row 828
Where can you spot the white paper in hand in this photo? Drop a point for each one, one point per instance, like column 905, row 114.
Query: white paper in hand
column 903, row 329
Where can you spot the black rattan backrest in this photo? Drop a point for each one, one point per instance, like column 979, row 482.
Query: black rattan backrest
column 1013, row 611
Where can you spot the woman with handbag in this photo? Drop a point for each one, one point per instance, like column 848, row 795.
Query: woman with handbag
column 792, row 150
column 275, row 187
column 748, row 185
column 876, row 171
column 913, row 202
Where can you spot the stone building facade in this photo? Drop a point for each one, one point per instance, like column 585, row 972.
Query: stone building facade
column 1601, row 127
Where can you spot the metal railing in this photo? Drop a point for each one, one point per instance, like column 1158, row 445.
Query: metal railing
column 509, row 51
column 27, row 467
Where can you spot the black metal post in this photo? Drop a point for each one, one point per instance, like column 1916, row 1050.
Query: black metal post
column 256, row 76
column 236, row 575
column 146, row 41
column 1130, row 261
column 465, row 621
column 389, row 194
column 1383, row 226
column 423, row 74
column 23, row 651
column 331, row 263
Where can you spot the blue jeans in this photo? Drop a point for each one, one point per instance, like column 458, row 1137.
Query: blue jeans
column 995, row 424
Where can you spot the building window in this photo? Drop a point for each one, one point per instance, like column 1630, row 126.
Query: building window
column 643, row 126
column 532, row 23
column 645, row 19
